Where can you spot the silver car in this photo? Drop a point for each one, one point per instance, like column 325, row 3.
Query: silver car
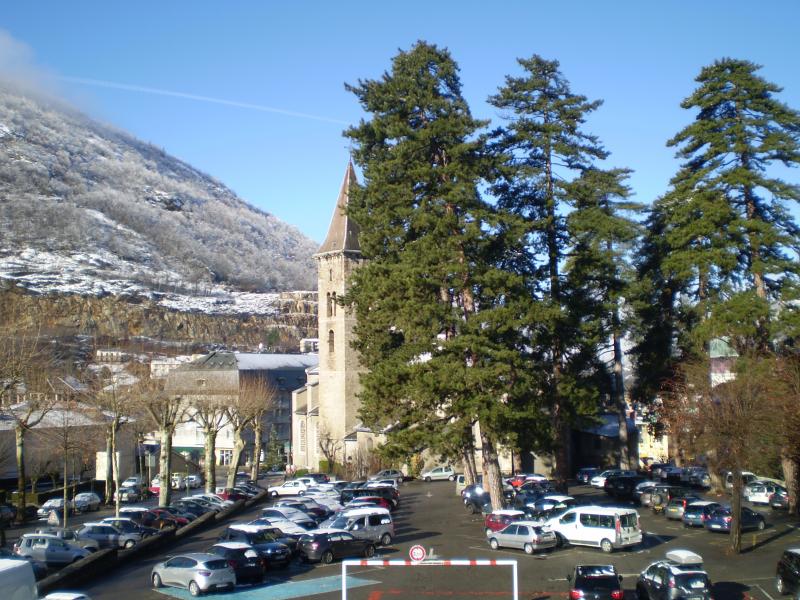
column 197, row 572
column 108, row 536
column 524, row 535
column 70, row 536
column 48, row 549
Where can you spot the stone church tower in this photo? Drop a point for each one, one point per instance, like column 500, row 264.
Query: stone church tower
column 339, row 365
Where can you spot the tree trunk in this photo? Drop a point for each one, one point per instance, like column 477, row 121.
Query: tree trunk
column 65, row 484
column 257, row 442
column 736, row 512
column 790, row 468
column 165, row 467
column 19, row 435
column 115, row 464
column 238, row 446
column 492, row 481
column 561, row 450
column 470, row 470
column 210, row 461
column 516, row 462
column 109, row 465
column 619, row 393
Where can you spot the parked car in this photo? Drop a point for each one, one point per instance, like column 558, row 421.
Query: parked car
column 288, row 488
column 166, row 516
column 696, row 513
column 86, row 501
column 720, row 520
column 585, row 474
column 265, row 538
column 478, row 504
column 779, row 500
column 70, row 536
column 316, row 511
column 439, row 474
column 662, row 494
column 247, row 565
column 54, row 504
column 286, row 526
column 130, row 526
column 521, row 478
column 128, row 494
column 389, row 494
column 49, row 549
column 622, row 487
column 747, row 477
column 108, row 536
column 676, row 507
column 325, row 546
column 39, row 567
column 292, row 514
column 671, row 474
column 550, row 502
column 374, row 524
column 198, row 573
column 601, row 526
column 524, row 535
column 194, row 481
column 155, row 518
column 133, row 481
column 498, row 519
column 787, row 573
column 394, row 474
column 761, row 492
column 599, row 480
column 598, row 582
column 681, row 576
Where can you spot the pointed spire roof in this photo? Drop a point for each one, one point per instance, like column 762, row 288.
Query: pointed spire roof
column 343, row 232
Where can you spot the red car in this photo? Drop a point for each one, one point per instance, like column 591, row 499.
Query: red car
column 498, row 519
column 232, row 495
column 166, row 515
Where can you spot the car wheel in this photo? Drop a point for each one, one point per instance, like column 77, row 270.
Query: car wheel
column 452, row 478
column 427, row 480
column 606, row 546
column 493, row 543
column 528, row 548
column 369, row 551
column 327, row 557
column 274, row 494
column 129, row 544
column 194, row 589
column 560, row 541
column 157, row 581
column 779, row 585
column 761, row 525
column 386, row 539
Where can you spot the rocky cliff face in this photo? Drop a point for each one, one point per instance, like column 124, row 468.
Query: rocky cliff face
column 117, row 318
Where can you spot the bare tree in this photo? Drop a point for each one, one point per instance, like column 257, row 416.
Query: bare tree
column 166, row 411
column 734, row 423
column 332, row 449
column 256, row 396
column 211, row 414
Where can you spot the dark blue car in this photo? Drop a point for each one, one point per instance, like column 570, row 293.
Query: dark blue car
column 720, row 520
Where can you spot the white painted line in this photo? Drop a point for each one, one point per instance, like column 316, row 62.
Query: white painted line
column 764, row 592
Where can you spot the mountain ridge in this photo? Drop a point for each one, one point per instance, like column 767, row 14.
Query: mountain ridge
column 89, row 209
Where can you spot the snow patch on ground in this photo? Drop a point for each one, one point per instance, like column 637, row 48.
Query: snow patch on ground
column 102, row 273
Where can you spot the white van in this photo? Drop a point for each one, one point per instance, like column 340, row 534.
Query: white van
column 368, row 523
column 18, row 580
column 604, row 527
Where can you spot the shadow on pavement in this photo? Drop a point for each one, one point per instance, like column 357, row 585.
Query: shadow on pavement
column 730, row 590
column 763, row 542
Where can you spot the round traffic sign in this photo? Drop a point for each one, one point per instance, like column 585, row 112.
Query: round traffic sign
column 417, row 553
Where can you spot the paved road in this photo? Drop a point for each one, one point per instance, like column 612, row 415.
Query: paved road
column 431, row 515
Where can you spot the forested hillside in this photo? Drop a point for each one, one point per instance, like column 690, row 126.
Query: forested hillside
column 88, row 209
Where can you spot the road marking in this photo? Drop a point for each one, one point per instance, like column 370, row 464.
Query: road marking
column 763, row 591
column 280, row 591
column 541, row 556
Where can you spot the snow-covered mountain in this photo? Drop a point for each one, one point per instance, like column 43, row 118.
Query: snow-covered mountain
column 87, row 209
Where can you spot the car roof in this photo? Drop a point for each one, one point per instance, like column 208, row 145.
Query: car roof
column 233, row 545
column 681, row 557
column 248, row 527
column 45, row 535
column 362, row 512
column 131, row 509
column 526, row 522
column 557, row 498
column 507, row 512
column 702, row 503
column 793, row 550
column 602, row 510
column 198, row 556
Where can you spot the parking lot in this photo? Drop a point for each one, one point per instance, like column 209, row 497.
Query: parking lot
column 432, row 516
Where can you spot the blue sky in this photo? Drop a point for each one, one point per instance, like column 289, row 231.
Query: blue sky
column 639, row 57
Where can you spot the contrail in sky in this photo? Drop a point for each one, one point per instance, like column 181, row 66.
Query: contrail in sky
column 159, row 92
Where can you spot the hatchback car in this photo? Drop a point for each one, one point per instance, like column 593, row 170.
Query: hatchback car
column 274, row 548
column 439, row 474
column 247, row 565
column 197, row 572
column 523, row 535
column 86, row 501
column 108, row 536
column 720, row 520
column 498, row 519
column 760, row 492
column 585, row 474
column 129, row 526
column 394, row 474
column 679, row 577
column 595, row 582
column 325, row 546
column 696, row 513
column 70, row 536
column 128, row 494
column 787, row 573
column 779, row 500
column 48, row 549
column 676, row 507
column 54, row 504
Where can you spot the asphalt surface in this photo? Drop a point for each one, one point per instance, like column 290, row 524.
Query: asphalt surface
column 432, row 516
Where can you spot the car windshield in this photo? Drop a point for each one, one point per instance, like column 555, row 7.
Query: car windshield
column 262, row 537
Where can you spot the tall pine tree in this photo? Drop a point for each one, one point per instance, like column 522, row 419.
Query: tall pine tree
column 436, row 319
column 545, row 149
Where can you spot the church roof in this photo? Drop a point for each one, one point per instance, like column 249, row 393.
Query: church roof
column 343, row 231
column 244, row 361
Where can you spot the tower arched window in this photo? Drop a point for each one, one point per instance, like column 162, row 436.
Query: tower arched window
column 330, row 341
column 333, row 304
column 329, row 310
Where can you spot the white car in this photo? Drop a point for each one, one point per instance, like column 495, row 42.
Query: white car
column 761, row 492
column 288, row 488
column 286, row 526
column 604, row 527
column 214, row 499
column 599, row 481
column 439, row 474
column 134, row 481
column 286, row 512
column 195, row 481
